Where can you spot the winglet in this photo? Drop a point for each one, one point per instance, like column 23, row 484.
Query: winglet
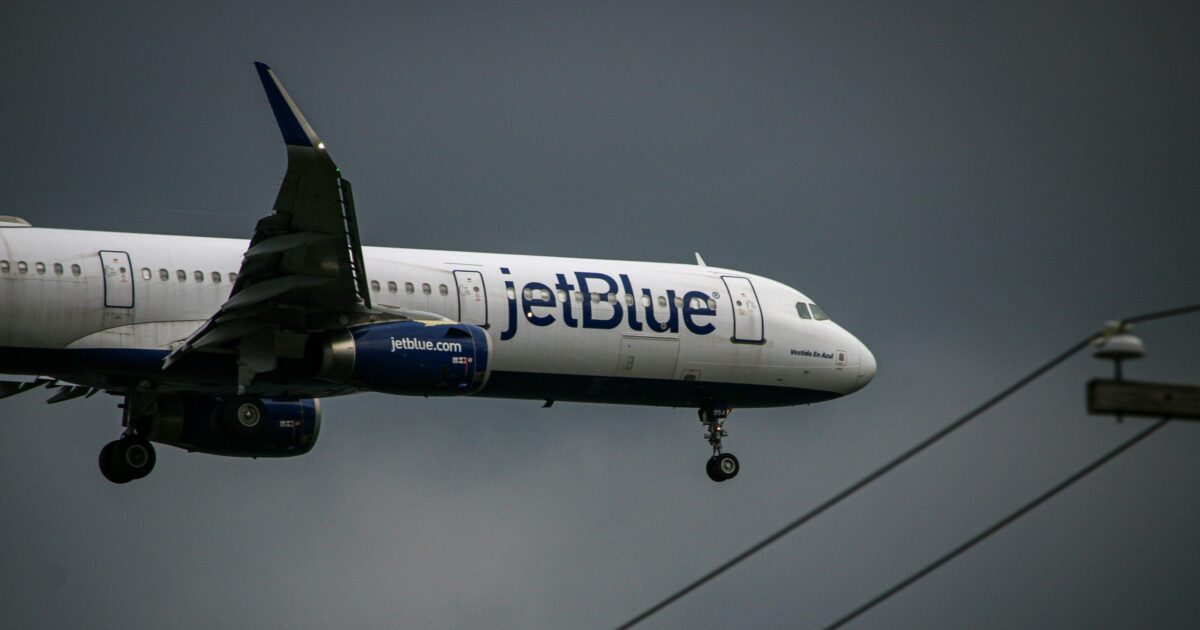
column 295, row 129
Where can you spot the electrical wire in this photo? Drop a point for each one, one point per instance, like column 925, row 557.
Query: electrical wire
column 907, row 455
column 1006, row 521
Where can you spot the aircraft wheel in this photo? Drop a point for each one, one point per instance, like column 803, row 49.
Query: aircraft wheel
column 711, row 469
column 126, row 459
column 135, row 455
column 727, row 466
column 108, row 465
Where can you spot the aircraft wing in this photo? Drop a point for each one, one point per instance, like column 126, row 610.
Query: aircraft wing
column 304, row 269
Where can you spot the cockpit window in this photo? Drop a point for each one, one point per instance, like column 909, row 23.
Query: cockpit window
column 802, row 309
column 818, row 314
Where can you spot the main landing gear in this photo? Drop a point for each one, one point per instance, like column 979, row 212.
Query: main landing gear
column 132, row 456
column 720, row 466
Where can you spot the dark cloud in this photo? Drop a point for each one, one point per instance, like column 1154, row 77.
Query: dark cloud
column 969, row 189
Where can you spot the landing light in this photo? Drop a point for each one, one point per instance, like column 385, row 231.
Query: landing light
column 320, row 145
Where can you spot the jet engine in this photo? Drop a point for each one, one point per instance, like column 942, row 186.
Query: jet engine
column 415, row 358
column 237, row 427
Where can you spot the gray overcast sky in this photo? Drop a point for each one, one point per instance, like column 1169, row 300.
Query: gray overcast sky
column 969, row 189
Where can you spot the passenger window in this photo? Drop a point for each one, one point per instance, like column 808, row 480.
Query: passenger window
column 392, row 288
column 426, row 289
column 146, row 273
column 818, row 314
column 712, row 304
column 443, row 289
column 527, row 293
column 58, row 269
column 181, row 275
column 628, row 299
column 4, row 268
column 696, row 303
column 562, row 295
column 40, row 267
column 199, row 276
column 216, row 276
column 75, row 270
column 579, row 297
column 802, row 309
column 375, row 286
column 646, row 301
column 164, row 275
column 662, row 301
column 22, row 267
column 408, row 288
column 512, row 293
column 232, row 277
column 612, row 298
column 678, row 302
column 595, row 298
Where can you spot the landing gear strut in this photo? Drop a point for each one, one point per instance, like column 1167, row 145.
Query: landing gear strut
column 720, row 466
column 132, row 456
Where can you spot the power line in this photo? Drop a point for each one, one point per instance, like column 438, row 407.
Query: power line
column 1008, row 520
column 861, row 483
column 886, row 468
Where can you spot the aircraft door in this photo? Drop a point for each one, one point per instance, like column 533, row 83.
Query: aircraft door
column 118, row 279
column 472, row 298
column 747, row 312
column 648, row 357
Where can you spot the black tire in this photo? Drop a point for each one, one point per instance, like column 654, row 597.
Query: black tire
column 711, row 469
column 109, row 467
column 245, row 416
column 135, row 457
column 727, row 466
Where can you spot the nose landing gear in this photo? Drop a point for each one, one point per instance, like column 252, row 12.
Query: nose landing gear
column 720, row 466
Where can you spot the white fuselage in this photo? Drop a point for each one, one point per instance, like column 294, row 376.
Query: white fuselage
column 596, row 323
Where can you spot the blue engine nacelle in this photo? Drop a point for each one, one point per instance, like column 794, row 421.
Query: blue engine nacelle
column 284, row 428
column 426, row 359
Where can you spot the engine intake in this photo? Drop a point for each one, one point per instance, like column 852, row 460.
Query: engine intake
column 407, row 358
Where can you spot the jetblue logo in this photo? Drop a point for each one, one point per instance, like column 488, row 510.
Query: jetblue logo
column 542, row 305
column 409, row 343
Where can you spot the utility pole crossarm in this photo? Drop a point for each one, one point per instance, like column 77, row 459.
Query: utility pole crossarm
column 1134, row 398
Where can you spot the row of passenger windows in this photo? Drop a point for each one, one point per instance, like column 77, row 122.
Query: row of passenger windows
column 22, row 267
column 426, row 288
column 611, row 298
column 38, row 267
column 803, row 309
column 182, row 276
column 410, row 288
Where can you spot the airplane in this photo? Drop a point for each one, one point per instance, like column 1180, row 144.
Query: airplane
column 225, row 347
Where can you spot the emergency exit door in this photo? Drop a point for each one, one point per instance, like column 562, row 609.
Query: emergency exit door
column 747, row 312
column 118, row 279
column 472, row 298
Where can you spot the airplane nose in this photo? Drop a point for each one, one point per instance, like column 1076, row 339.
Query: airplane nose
column 866, row 367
